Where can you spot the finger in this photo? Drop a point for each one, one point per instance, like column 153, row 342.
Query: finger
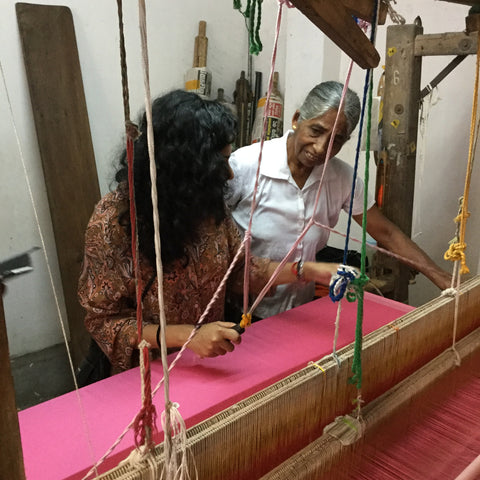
column 226, row 324
column 238, row 328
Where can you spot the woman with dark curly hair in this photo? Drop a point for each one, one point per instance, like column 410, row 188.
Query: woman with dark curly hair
column 199, row 239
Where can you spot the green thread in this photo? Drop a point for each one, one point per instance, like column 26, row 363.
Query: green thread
column 252, row 22
column 356, row 286
column 357, row 353
column 258, row 43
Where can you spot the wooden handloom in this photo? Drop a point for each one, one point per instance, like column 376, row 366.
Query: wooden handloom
column 245, row 440
column 249, row 437
column 216, row 388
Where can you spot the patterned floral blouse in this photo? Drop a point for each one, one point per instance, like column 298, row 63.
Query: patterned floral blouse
column 107, row 283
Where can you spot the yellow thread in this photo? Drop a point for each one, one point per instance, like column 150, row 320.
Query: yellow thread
column 246, row 320
column 395, row 123
column 391, row 51
column 456, row 251
column 317, row 366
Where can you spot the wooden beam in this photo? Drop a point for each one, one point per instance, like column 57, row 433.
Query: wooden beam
column 396, row 165
column 338, row 24
column 446, row 44
column 11, row 457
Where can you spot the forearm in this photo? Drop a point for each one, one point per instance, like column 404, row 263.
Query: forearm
column 175, row 335
column 312, row 272
column 389, row 236
column 416, row 258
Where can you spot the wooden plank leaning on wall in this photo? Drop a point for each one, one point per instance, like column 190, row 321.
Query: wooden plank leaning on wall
column 63, row 131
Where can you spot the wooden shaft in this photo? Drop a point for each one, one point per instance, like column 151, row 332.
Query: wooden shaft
column 201, row 46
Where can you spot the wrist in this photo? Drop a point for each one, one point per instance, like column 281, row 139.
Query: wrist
column 298, row 269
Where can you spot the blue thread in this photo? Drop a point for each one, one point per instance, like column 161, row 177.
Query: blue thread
column 340, row 282
column 360, row 130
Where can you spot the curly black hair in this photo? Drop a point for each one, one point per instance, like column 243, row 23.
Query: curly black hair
column 192, row 172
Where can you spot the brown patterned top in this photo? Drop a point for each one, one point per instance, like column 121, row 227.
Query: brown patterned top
column 107, row 284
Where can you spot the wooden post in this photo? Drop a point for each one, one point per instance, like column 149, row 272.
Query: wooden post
column 11, row 457
column 399, row 145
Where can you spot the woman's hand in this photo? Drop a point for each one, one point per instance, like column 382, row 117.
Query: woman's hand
column 213, row 339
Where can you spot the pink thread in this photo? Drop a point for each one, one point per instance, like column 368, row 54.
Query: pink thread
column 248, row 235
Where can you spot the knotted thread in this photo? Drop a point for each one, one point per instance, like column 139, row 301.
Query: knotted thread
column 342, row 281
column 456, row 251
column 357, row 353
column 144, row 423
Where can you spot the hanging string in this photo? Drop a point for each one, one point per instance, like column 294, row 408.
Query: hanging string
column 145, row 421
column 456, row 251
column 340, row 282
column 169, row 454
column 252, row 23
column 357, row 353
column 246, row 319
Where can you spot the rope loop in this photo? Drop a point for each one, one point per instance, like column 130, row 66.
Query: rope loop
column 341, row 282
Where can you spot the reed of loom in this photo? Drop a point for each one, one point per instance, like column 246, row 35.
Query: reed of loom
column 255, row 436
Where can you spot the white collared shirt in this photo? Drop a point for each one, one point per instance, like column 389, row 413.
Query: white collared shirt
column 283, row 211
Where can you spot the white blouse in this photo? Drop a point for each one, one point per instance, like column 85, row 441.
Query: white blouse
column 283, row 210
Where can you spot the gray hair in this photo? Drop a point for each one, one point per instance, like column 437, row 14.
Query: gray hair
column 325, row 96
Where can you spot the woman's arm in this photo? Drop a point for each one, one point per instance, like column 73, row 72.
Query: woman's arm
column 318, row 272
column 210, row 340
column 389, row 236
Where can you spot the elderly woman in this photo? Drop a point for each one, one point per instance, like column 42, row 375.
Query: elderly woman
column 198, row 237
column 291, row 169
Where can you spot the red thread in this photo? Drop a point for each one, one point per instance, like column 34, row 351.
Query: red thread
column 145, row 422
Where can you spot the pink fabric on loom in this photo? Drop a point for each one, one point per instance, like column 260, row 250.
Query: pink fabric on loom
column 54, row 434
column 435, row 437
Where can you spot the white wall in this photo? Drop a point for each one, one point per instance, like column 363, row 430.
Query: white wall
column 305, row 57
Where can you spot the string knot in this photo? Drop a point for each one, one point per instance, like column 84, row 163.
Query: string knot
column 246, row 320
column 455, row 252
column 346, row 282
column 449, row 292
column 132, row 130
